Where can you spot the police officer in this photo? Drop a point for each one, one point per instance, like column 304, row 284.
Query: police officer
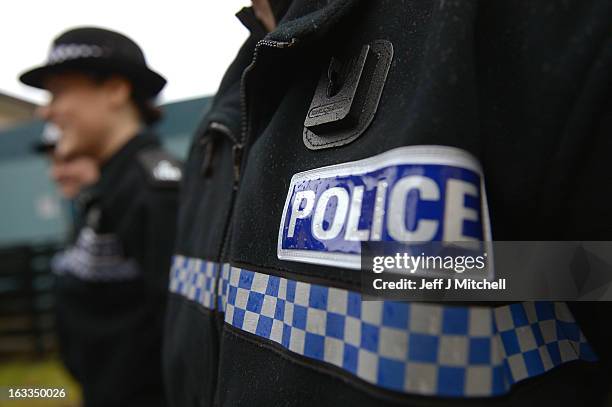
column 112, row 291
column 194, row 323
column 359, row 120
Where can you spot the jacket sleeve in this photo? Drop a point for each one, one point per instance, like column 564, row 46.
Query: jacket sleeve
column 160, row 218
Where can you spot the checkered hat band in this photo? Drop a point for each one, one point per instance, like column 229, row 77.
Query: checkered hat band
column 414, row 348
column 66, row 52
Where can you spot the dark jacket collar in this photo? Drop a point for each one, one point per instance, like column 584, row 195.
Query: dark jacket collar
column 308, row 20
column 226, row 106
column 114, row 168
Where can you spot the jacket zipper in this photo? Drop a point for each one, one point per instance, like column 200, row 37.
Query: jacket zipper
column 237, row 155
column 237, row 151
column 239, row 145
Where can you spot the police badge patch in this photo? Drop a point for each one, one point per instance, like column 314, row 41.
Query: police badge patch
column 408, row 194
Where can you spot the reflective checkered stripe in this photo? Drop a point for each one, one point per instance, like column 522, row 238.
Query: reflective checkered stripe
column 66, row 52
column 194, row 279
column 222, row 287
column 96, row 258
column 414, row 348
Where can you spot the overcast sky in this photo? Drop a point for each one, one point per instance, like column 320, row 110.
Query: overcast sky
column 190, row 42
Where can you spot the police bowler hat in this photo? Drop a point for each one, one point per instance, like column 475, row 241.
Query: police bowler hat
column 90, row 49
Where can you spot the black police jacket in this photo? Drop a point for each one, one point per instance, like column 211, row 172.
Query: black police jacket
column 341, row 106
column 191, row 343
column 112, row 283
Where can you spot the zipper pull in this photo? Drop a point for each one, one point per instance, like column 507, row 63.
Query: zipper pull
column 207, row 144
column 237, row 150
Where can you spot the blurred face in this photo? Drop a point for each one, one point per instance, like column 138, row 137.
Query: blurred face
column 72, row 175
column 83, row 110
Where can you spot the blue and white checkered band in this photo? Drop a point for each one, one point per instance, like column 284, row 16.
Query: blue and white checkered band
column 194, row 279
column 96, row 258
column 223, row 287
column 424, row 349
column 201, row 281
column 412, row 348
column 419, row 193
column 65, row 52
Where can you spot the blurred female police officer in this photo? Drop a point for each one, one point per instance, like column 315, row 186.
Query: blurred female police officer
column 111, row 292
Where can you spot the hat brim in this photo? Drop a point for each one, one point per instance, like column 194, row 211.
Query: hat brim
column 147, row 81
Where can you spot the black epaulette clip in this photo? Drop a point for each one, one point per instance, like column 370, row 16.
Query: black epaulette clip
column 347, row 96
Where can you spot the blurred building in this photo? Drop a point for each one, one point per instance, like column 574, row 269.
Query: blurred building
column 14, row 110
